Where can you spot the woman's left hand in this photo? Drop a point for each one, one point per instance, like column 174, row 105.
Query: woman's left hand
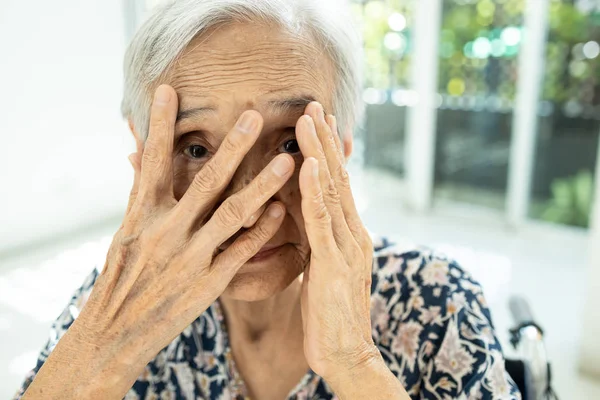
column 336, row 287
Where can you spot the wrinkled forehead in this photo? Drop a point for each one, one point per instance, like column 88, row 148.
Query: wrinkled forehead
column 246, row 64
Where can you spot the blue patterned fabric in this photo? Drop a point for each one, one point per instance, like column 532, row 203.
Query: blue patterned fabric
column 429, row 320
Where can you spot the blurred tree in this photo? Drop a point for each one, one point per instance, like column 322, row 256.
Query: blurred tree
column 572, row 200
column 387, row 51
column 480, row 41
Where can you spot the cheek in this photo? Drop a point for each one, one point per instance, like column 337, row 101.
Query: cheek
column 183, row 176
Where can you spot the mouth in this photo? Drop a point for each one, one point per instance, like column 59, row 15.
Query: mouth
column 265, row 252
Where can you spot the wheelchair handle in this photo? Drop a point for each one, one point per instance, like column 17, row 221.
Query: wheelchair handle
column 527, row 338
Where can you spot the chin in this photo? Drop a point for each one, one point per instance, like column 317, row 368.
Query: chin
column 260, row 279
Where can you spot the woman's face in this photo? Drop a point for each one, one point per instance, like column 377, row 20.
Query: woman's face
column 240, row 67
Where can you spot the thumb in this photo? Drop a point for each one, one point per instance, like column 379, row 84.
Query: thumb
column 134, row 159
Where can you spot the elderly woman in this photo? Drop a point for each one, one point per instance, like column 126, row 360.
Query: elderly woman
column 242, row 269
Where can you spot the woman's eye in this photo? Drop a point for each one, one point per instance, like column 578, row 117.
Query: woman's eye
column 291, row 146
column 196, row 151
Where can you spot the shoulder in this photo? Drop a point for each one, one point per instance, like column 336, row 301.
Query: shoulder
column 432, row 324
column 415, row 293
column 420, row 287
column 417, row 271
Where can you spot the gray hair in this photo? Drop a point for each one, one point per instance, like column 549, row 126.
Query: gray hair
column 172, row 26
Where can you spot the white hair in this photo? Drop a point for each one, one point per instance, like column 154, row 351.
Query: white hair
column 172, row 26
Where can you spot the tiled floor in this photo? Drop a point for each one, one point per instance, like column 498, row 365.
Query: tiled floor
column 544, row 265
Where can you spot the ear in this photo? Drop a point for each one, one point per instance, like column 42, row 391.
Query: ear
column 139, row 145
column 348, row 143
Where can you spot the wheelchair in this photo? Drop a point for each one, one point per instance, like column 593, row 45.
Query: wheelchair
column 531, row 370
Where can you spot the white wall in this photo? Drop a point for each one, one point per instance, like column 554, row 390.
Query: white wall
column 63, row 143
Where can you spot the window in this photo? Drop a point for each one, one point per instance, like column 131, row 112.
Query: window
column 568, row 116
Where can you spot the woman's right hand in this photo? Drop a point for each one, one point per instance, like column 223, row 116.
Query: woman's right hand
column 161, row 271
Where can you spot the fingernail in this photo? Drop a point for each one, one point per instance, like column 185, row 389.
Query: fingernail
column 247, row 123
column 162, row 95
column 275, row 211
column 282, row 166
column 130, row 158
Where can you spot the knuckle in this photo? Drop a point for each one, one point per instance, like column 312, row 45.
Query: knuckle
column 207, row 179
column 331, row 191
column 133, row 194
column 356, row 228
column 261, row 232
column 158, row 122
column 321, row 213
column 316, row 200
column 342, row 175
column 231, row 211
column 230, row 145
column 129, row 229
column 331, row 140
column 151, row 155
column 245, row 247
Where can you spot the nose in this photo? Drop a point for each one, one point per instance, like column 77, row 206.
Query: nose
column 245, row 174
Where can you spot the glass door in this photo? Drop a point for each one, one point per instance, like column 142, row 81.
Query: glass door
column 479, row 48
column 386, row 28
column 568, row 118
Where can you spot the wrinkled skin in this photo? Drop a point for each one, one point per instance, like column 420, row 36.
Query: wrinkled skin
column 234, row 69
column 223, row 73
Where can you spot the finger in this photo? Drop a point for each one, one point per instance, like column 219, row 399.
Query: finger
column 332, row 122
column 317, row 219
column 352, row 217
column 134, row 160
column 341, row 178
column 214, row 177
column 157, row 161
column 236, row 209
column 311, row 146
column 253, row 218
column 250, row 243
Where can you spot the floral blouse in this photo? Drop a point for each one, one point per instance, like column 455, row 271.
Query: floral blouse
column 429, row 320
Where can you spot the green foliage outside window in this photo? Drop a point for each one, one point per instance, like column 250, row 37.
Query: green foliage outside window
column 385, row 67
column 479, row 44
column 572, row 200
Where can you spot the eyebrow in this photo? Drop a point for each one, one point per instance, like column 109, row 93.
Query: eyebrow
column 289, row 105
column 294, row 104
column 193, row 112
